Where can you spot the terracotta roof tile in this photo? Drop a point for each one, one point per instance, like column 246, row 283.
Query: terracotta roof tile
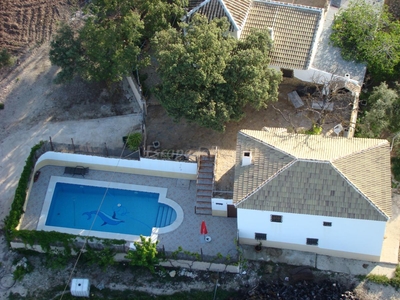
column 314, row 175
column 212, row 9
column 239, row 10
column 294, row 31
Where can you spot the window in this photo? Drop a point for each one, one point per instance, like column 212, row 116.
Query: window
column 287, row 73
column 329, row 224
column 260, row 236
column 276, row 218
column 313, row 242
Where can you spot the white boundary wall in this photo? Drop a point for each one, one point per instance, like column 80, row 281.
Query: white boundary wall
column 144, row 166
column 350, row 238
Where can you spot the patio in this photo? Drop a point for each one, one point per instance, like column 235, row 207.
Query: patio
column 183, row 191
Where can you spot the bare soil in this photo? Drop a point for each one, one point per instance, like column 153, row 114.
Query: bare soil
column 394, row 8
column 26, row 23
column 190, row 138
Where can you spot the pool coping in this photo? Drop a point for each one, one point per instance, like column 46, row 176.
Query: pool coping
column 108, row 235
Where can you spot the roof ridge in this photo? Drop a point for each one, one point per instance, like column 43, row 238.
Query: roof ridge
column 230, row 17
column 305, row 7
column 362, row 150
column 360, row 192
column 366, row 144
column 268, row 145
column 266, row 181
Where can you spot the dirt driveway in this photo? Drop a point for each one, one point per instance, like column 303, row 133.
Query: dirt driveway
column 36, row 109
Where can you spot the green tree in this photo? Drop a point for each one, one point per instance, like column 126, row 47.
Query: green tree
column 368, row 34
column 383, row 115
column 105, row 48
column 208, row 76
column 66, row 52
column 158, row 15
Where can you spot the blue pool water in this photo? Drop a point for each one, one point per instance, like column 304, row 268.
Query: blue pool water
column 123, row 211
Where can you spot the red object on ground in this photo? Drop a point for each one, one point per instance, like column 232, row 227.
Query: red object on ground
column 203, row 228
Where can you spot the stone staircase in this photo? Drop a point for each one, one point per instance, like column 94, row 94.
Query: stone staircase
column 205, row 184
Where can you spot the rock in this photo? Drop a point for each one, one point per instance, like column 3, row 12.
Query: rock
column 172, row 273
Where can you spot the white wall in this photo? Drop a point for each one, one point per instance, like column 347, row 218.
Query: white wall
column 318, row 76
column 145, row 166
column 348, row 235
column 220, row 206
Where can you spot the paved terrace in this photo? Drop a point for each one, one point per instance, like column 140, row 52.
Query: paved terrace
column 222, row 230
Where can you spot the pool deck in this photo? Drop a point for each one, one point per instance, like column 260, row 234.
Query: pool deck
column 183, row 191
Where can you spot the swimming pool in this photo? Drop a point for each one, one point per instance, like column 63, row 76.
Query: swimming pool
column 127, row 211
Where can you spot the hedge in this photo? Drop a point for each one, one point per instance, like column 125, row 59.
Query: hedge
column 12, row 220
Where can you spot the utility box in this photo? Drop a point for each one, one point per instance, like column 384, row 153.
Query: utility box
column 80, row 287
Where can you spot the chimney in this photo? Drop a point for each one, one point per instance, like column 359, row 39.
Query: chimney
column 246, row 158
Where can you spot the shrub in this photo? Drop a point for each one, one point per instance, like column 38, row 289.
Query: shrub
column 133, row 141
column 145, row 255
column 21, row 271
column 5, row 58
column 315, row 130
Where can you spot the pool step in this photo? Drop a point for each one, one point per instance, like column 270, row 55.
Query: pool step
column 164, row 216
column 205, row 184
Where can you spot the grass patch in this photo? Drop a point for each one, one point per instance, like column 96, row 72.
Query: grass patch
column 315, row 130
column 382, row 279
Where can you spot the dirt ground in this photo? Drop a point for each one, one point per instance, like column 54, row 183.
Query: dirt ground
column 33, row 105
column 394, row 7
column 190, row 138
column 27, row 23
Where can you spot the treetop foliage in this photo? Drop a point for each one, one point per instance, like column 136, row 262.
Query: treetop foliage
column 369, row 34
column 208, row 76
column 383, row 115
column 107, row 47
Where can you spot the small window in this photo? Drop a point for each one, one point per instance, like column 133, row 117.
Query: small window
column 332, row 193
column 260, row 236
column 276, row 218
column 313, row 242
column 329, row 224
column 246, row 153
column 287, row 73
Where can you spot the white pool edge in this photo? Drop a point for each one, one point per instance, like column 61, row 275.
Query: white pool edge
column 117, row 185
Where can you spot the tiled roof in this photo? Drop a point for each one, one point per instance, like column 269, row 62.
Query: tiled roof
column 294, row 26
column 294, row 31
column 212, row 9
column 239, row 10
column 194, row 3
column 316, row 175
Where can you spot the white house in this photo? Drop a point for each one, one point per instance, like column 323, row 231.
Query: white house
column 327, row 195
column 300, row 30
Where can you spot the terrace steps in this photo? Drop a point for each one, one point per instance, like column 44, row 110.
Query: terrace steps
column 205, row 184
